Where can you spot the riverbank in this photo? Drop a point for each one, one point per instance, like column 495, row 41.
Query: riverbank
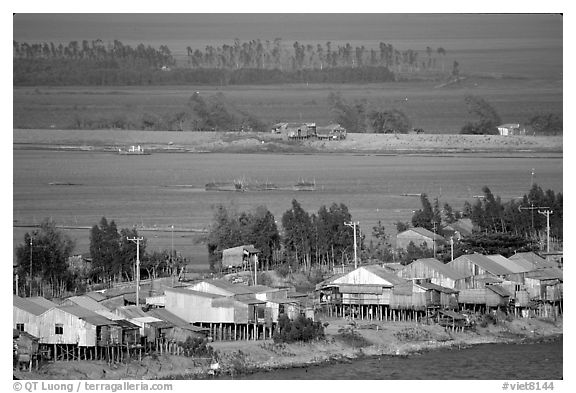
column 377, row 339
column 250, row 142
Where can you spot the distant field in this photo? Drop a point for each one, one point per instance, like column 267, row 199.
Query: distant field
column 437, row 110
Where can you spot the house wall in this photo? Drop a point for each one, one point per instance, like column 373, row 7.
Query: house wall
column 193, row 308
column 467, row 267
column 366, row 298
column 75, row 330
column 30, row 321
column 481, row 296
column 421, row 270
column 206, row 287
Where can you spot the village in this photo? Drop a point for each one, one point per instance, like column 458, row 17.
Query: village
column 166, row 315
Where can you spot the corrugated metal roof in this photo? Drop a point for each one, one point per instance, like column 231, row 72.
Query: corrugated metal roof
column 86, row 302
column 165, row 315
column 127, row 325
column 442, row 268
column 130, row 312
column 508, row 264
column 96, row 296
column 425, row 232
column 39, row 300
column 439, row 288
column 533, row 258
column 236, row 289
column 193, row 292
column 109, row 314
column 251, row 300
column 546, row 274
column 87, row 315
column 499, row 290
column 384, row 274
column 27, row 305
column 485, row 263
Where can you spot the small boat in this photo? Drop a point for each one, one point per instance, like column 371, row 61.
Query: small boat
column 134, row 151
column 304, row 185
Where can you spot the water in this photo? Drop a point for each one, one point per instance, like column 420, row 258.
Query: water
column 132, row 190
column 488, row 361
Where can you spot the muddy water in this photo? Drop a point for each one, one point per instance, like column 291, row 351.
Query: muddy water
column 538, row 361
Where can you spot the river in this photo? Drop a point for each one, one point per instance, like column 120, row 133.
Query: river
column 165, row 189
column 534, row 361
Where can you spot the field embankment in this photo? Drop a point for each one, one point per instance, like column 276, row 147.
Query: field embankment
column 235, row 142
column 377, row 338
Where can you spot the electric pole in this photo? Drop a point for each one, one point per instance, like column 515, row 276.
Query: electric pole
column 353, row 225
column 434, row 240
column 137, row 240
column 545, row 211
column 30, row 266
column 547, row 214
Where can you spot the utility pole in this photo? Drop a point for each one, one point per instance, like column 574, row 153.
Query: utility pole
column 30, row 266
column 137, row 240
column 547, row 214
column 545, row 211
column 172, row 249
column 434, row 240
column 451, row 248
column 353, row 225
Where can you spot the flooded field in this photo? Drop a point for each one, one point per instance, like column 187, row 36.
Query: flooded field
column 165, row 189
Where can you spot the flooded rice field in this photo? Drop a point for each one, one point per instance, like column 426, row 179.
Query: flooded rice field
column 164, row 189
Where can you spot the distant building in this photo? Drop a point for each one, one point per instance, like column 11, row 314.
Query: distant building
column 419, row 236
column 331, row 132
column 241, row 257
column 511, row 129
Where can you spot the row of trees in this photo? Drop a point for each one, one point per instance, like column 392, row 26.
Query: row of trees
column 46, row 264
column 252, row 62
column 257, row 54
column 306, row 240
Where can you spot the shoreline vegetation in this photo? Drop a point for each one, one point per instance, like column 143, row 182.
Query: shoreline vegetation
column 110, row 141
column 372, row 339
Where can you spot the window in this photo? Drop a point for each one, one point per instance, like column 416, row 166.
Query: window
column 20, row 327
column 59, row 329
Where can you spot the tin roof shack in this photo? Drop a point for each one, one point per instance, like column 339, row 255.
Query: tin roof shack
column 511, row 129
column 434, row 271
column 372, row 292
column 458, row 229
column 484, row 299
column 181, row 329
column 241, row 257
column 451, row 319
column 300, row 130
column 478, row 265
column 25, row 315
column 545, row 284
column 419, row 236
column 194, row 306
column 532, row 259
column 77, row 325
column 331, row 132
column 439, row 296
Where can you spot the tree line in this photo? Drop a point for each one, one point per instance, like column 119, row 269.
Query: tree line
column 47, row 266
column 95, row 63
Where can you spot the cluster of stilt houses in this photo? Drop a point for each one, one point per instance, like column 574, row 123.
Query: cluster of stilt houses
column 114, row 324
column 524, row 284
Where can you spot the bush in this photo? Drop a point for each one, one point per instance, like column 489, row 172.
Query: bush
column 301, row 329
column 195, row 346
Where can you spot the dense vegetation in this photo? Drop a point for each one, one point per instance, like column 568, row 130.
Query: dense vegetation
column 95, row 63
column 112, row 259
column 299, row 329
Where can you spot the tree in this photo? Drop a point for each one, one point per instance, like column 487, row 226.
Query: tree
column 224, row 233
column 105, row 250
column 546, row 123
column 402, row 226
column 262, row 232
column 298, row 234
column 414, row 252
column 45, row 251
column 350, row 116
column 393, row 119
column 424, row 217
column 383, row 249
column 488, row 118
